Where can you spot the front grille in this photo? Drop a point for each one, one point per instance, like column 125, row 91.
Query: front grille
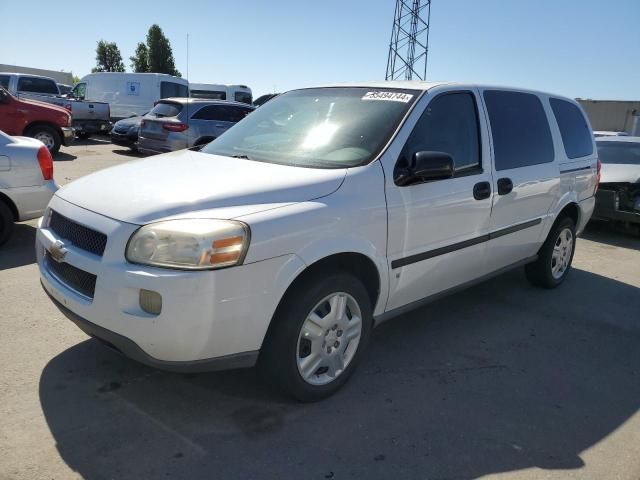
column 79, row 280
column 79, row 235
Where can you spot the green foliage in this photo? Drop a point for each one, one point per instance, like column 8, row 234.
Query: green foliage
column 75, row 79
column 140, row 60
column 160, row 55
column 108, row 58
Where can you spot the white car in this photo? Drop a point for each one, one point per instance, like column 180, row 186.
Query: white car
column 322, row 214
column 618, row 198
column 26, row 181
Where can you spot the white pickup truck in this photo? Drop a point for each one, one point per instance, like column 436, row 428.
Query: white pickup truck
column 87, row 117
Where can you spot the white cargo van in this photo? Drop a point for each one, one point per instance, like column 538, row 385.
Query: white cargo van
column 212, row 91
column 130, row 94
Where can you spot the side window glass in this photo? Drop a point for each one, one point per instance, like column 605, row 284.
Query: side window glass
column 4, row 81
column 80, row 91
column 575, row 133
column 520, row 129
column 449, row 124
column 210, row 112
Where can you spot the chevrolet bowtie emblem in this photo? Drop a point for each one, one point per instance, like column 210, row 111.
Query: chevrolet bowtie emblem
column 57, row 251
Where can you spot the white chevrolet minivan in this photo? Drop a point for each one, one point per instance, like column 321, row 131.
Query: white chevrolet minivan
column 325, row 212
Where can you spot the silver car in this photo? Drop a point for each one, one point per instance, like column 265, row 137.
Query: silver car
column 177, row 123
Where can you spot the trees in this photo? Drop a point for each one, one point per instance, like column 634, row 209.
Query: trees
column 108, row 58
column 140, row 60
column 156, row 55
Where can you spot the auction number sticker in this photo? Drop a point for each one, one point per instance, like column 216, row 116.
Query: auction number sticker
column 388, row 96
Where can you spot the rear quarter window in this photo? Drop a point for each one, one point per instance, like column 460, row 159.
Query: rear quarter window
column 243, row 97
column 520, row 129
column 4, row 81
column 574, row 129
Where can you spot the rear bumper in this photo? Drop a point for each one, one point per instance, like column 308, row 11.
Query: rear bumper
column 130, row 349
column 92, row 126
column 31, row 202
column 606, row 208
column 151, row 146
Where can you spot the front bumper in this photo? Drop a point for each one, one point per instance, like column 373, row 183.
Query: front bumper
column 68, row 135
column 206, row 315
column 124, row 139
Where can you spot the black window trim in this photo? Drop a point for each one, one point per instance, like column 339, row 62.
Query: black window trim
column 465, row 172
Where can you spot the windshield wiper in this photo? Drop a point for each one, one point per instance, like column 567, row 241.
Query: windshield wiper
column 244, row 157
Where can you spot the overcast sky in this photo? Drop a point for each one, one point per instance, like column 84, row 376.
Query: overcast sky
column 578, row 48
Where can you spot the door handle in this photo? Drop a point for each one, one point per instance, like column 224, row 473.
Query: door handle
column 481, row 190
column 505, row 186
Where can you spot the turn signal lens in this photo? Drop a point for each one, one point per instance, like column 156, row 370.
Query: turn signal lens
column 46, row 163
column 599, row 168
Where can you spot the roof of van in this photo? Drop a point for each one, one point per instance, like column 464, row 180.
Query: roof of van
column 424, row 86
column 130, row 74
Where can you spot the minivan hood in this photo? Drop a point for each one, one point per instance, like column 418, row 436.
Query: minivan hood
column 184, row 183
column 620, row 173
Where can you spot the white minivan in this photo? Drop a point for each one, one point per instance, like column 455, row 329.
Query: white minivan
column 129, row 94
column 211, row 91
column 322, row 214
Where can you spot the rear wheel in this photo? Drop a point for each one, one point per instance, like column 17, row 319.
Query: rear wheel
column 555, row 256
column 47, row 135
column 6, row 222
column 318, row 336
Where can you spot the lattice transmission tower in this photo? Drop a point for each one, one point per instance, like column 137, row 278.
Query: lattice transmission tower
column 409, row 44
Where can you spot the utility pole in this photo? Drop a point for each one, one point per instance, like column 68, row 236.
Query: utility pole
column 409, row 45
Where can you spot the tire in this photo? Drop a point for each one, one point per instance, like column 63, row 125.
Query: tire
column 6, row 222
column 329, row 351
column 83, row 135
column 549, row 271
column 47, row 135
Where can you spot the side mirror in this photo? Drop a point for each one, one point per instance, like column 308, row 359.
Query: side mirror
column 426, row 167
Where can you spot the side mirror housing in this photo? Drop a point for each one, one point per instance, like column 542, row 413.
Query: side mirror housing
column 426, row 166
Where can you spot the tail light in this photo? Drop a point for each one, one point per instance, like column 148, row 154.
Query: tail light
column 175, row 127
column 598, row 169
column 46, row 163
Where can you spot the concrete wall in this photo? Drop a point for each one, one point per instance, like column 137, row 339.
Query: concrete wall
column 611, row 114
column 59, row 77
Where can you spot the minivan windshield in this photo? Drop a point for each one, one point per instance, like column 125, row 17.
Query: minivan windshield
column 319, row 127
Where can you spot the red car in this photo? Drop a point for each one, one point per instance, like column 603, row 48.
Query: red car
column 45, row 122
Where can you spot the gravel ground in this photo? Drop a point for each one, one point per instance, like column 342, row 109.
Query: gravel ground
column 502, row 380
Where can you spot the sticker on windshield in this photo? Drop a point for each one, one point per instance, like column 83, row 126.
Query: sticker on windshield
column 388, row 96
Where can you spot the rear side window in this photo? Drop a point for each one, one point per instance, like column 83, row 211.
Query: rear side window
column 575, row 133
column 209, row 94
column 166, row 109
column 221, row 113
column 37, row 85
column 520, row 130
column 4, row 81
column 449, row 124
column 172, row 89
column 243, row 97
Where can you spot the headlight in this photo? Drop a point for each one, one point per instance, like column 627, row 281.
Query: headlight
column 190, row 244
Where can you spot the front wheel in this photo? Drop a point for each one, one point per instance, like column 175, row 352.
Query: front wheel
column 6, row 222
column 47, row 135
column 555, row 256
column 318, row 336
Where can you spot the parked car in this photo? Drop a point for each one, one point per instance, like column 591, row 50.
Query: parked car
column 129, row 94
column 125, row 132
column 64, row 89
column 87, row 117
column 618, row 197
column 209, row 91
column 322, row 214
column 261, row 100
column 26, row 181
column 45, row 122
column 177, row 123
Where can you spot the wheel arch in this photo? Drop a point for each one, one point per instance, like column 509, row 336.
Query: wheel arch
column 12, row 206
column 42, row 123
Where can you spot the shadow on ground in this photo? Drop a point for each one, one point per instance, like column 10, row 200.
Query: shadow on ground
column 498, row 378
column 20, row 249
column 64, row 157
column 612, row 234
column 127, row 152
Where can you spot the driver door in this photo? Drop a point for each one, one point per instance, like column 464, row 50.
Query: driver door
column 438, row 230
